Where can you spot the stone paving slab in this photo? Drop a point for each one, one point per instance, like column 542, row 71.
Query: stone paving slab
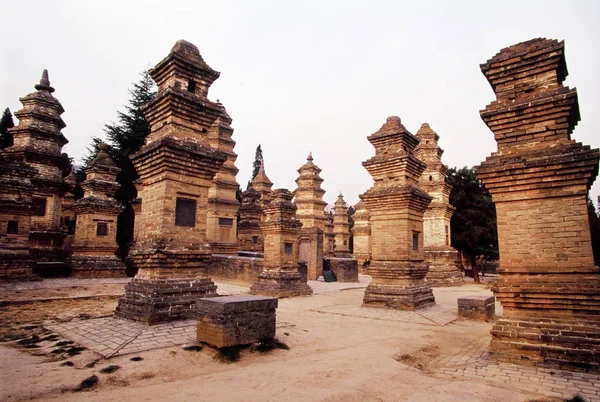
column 473, row 363
column 111, row 336
column 434, row 315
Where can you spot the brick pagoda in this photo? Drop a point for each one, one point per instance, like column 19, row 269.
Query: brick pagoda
column 444, row 267
column 396, row 204
column 38, row 141
column 361, row 236
column 250, row 237
column 221, row 223
column 15, row 219
column 280, row 276
column 341, row 228
column 311, row 213
column 176, row 167
column 263, row 185
column 95, row 241
column 539, row 180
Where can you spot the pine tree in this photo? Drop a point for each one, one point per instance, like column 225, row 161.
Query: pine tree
column 125, row 138
column 258, row 160
column 474, row 230
column 6, row 122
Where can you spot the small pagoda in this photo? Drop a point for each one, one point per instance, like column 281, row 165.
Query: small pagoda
column 95, row 241
column 396, row 205
column 341, row 228
column 443, row 260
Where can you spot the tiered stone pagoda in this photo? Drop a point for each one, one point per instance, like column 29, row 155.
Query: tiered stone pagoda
column 176, row 168
column 15, row 219
column 311, row 213
column 329, row 236
column 221, row 224
column 250, row 237
column 396, row 204
column 263, row 185
column 539, row 180
column 361, row 236
column 280, row 276
column 38, row 141
column 341, row 228
column 95, row 239
column 443, row 260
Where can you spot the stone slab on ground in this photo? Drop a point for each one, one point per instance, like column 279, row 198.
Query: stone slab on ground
column 480, row 308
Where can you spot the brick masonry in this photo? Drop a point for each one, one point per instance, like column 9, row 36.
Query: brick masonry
column 345, row 269
column 482, row 308
column 539, row 180
column 235, row 320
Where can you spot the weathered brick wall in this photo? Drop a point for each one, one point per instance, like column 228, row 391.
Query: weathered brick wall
column 243, row 269
column 345, row 269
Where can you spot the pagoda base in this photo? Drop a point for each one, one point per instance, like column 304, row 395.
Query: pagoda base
column 277, row 283
column 17, row 267
column 399, row 297
column 167, row 285
column 96, row 266
column 444, row 268
column 562, row 344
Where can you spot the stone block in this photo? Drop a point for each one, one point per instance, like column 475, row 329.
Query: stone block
column 345, row 269
column 235, row 320
column 481, row 308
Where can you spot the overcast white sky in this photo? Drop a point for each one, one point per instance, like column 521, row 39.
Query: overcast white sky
column 300, row 76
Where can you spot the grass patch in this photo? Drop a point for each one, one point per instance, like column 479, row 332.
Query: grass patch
column 193, row 348
column 74, row 350
column 88, row 383
column 68, row 363
column 30, row 340
column 50, row 338
column 110, row 369
column 136, row 359
column 576, row 398
column 91, row 364
column 63, row 343
column 32, row 346
column 228, row 355
column 59, row 351
column 266, row 345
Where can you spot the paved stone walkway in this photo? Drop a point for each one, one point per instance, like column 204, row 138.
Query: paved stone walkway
column 474, row 364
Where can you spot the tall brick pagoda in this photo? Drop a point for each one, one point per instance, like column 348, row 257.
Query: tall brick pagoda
column 396, row 204
column 263, row 185
column 341, row 228
column 176, row 168
column 95, row 241
column 311, row 213
column 38, row 141
column 221, row 223
column 361, row 236
column 280, row 276
column 539, row 180
column 250, row 237
column 444, row 267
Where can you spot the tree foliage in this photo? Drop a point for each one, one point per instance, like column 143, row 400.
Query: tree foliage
column 474, row 231
column 6, row 122
column 258, row 160
column 126, row 137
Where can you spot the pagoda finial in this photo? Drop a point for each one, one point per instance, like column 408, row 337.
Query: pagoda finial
column 44, row 84
column 310, row 158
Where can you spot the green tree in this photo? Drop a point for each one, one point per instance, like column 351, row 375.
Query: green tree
column 258, row 160
column 594, row 217
column 6, row 122
column 126, row 137
column 474, row 231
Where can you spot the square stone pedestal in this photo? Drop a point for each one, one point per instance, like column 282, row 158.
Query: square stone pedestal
column 235, row 320
column 345, row 269
column 481, row 308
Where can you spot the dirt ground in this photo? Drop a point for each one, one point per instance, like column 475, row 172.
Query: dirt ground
column 331, row 357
